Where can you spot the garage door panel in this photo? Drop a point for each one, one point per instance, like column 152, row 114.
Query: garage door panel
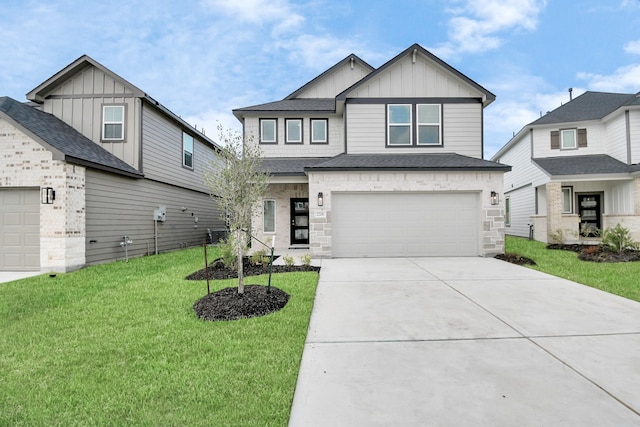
column 405, row 224
column 19, row 229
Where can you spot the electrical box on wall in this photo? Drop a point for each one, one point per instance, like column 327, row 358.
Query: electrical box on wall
column 160, row 214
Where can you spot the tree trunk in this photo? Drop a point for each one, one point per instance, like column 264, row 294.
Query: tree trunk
column 240, row 243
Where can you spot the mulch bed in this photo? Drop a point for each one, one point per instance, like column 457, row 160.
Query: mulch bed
column 227, row 304
column 592, row 253
column 516, row 259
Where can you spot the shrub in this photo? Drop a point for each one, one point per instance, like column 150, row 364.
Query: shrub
column 288, row 260
column 228, row 253
column 306, row 259
column 258, row 257
column 618, row 238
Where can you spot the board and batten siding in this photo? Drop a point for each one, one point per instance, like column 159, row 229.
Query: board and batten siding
column 79, row 100
column 424, row 78
column 117, row 206
column 335, row 82
column 162, row 153
column 462, row 130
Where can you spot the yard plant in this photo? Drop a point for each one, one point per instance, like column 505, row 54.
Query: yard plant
column 120, row 344
column 620, row 278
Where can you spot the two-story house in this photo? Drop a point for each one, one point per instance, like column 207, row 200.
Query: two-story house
column 92, row 159
column 575, row 170
column 379, row 162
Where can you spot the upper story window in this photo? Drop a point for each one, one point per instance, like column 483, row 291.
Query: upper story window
column 268, row 131
column 568, row 139
column 113, row 122
column 399, row 124
column 319, row 131
column 293, row 131
column 429, row 124
column 187, row 150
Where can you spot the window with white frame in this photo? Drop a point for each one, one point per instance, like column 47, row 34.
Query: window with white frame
column 399, row 124
column 269, row 216
column 113, row 122
column 567, row 200
column 268, row 131
column 428, row 123
column 187, row 150
column 293, row 131
column 319, row 131
column 568, row 139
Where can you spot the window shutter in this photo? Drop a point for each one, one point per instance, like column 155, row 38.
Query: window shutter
column 582, row 137
column 555, row 140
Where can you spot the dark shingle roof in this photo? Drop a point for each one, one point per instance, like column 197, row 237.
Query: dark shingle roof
column 290, row 166
column 435, row 162
column 72, row 144
column 588, row 106
column 299, row 104
column 582, row 165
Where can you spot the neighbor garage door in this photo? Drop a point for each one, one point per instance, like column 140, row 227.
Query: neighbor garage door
column 404, row 224
column 19, row 229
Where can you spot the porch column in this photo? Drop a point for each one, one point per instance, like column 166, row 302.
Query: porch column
column 554, row 208
column 636, row 196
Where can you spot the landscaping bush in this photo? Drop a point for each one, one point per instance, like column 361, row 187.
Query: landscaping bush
column 618, row 239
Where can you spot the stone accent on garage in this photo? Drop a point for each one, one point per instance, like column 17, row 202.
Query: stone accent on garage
column 24, row 163
column 492, row 228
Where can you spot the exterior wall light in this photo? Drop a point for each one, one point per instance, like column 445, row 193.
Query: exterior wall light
column 320, row 199
column 495, row 198
column 47, row 195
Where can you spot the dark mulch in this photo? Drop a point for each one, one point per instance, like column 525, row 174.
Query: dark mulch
column 218, row 271
column 598, row 253
column 227, row 304
column 516, row 259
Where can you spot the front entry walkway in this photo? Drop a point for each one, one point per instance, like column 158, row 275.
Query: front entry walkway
column 465, row 342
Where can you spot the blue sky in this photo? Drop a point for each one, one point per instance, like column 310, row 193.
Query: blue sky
column 203, row 58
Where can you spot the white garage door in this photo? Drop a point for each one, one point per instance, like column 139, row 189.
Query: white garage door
column 404, row 224
column 19, row 230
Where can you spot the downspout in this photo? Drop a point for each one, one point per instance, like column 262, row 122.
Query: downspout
column 628, row 135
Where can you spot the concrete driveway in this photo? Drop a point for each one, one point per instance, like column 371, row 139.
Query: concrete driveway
column 10, row 276
column 465, row 342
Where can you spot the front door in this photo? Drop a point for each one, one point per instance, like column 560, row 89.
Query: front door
column 589, row 211
column 299, row 221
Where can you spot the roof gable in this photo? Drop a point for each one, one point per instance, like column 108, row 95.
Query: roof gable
column 64, row 141
column 66, row 76
column 416, row 72
column 336, row 79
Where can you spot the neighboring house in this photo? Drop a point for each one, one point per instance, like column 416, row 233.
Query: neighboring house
column 380, row 162
column 575, row 170
column 92, row 159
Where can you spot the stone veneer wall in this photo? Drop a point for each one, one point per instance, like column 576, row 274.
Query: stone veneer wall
column 25, row 163
column 282, row 194
column 492, row 227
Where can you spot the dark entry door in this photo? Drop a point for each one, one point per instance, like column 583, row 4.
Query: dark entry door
column 589, row 211
column 299, row 221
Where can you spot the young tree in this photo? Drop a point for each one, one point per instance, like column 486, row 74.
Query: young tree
column 238, row 185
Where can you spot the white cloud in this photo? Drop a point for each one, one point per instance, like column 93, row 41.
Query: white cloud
column 278, row 12
column 633, row 47
column 624, row 79
column 478, row 24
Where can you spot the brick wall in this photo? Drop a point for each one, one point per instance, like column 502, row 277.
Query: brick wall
column 25, row 163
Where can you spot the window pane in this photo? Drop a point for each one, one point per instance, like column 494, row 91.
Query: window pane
column 399, row 135
column 429, row 114
column 268, row 131
column 187, row 148
column 428, row 134
column 294, row 130
column 569, row 138
column 318, row 131
column 566, row 200
column 113, row 131
column 269, row 216
column 399, row 114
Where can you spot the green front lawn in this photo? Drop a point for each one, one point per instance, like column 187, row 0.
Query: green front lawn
column 119, row 344
column 620, row 278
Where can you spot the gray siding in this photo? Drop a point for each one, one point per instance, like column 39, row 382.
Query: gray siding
column 522, row 207
column 118, row 206
column 162, row 153
column 79, row 100
column 462, row 130
column 337, row 81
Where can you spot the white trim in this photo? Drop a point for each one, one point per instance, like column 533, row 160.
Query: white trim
column 575, row 139
column 275, row 131
column 438, row 123
column 113, row 122
column 287, row 138
column 390, row 125
column 570, row 189
column 326, row 131
column 184, row 151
